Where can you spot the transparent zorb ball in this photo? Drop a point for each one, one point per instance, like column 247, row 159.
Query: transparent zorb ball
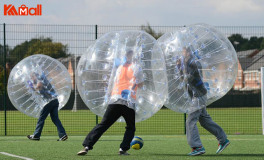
column 201, row 66
column 37, row 80
column 126, row 65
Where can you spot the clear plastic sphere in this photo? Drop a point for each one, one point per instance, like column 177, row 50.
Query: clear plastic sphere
column 35, row 81
column 201, row 66
column 126, row 65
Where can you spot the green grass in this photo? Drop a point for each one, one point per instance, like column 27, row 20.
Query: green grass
column 164, row 122
column 163, row 147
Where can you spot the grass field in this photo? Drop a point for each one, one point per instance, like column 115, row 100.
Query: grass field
column 163, row 147
column 234, row 121
column 163, row 136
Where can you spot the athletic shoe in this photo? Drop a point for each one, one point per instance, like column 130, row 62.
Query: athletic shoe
column 124, row 153
column 121, row 152
column 63, row 138
column 31, row 137
column 222, row 146
column 84, row 151
column 197, row 151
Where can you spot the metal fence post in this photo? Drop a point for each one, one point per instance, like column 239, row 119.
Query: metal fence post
column 5, row 83
column 96, row 39
column 262, row 98
column 185, row 123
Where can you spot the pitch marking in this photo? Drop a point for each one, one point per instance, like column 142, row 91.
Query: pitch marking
column 12, row 155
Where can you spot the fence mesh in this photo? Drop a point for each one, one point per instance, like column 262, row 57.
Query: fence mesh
column 76, row 117
column 2, row 63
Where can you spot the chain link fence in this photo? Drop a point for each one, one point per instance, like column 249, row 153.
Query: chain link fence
column 76, row 117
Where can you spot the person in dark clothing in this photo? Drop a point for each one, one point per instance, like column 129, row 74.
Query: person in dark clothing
column 41, row 85
column 122, row 103
column 191, row 70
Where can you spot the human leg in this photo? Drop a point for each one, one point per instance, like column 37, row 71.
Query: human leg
column 40, row 124
column 112, row 113
column 208, row 124
column 192, row 132
column 129, row 116
column 55, row 118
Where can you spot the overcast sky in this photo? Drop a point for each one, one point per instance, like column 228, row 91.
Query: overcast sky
column 139, row 12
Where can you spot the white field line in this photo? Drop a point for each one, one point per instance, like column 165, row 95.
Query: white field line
column 12, row 155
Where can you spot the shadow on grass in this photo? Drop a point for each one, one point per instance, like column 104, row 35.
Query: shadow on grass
column 122, row 139
column 101, row 155
column 170, row 154
column 234, row 155
column 215, row 155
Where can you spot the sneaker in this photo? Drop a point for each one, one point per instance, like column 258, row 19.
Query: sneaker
column 222, row 146
column 63, row 138
column 197, row 151
column 31, row 137
column 84, row 151
column 121, row 152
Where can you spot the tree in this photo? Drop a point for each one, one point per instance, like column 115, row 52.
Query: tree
column 55, row 50
column 2, row 75
column 38, row 46
column 1, row 80
column 34, row 46
column 2, row 64
column 242, row 44
column 2, row 53
column 151, row 31
column 254, row 42
column 237, row 41
column 262, row 44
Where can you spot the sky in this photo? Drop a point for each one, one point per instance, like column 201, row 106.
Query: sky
column 141, row 12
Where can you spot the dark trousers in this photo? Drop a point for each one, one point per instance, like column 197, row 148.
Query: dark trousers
column 52, row 109
column 113, row 112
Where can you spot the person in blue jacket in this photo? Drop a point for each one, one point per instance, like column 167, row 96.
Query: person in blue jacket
column 191, row 71
column 41, row 85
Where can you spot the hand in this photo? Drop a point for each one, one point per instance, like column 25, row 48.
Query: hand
column 125, row 93
column 39, row 86
column 140, row 85
column 30, row 84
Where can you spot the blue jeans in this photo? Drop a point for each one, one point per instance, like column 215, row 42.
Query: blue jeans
column 207, row 123
column 52, row 109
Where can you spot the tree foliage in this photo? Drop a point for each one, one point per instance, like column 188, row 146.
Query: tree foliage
column 262, row 44
column 2, row 76
column 238, row 41
column 34, row 46
column 241, row 44
column 2, row 64
column 1, row 79
column 38, row 46
column 2, row 53
column 151, row 31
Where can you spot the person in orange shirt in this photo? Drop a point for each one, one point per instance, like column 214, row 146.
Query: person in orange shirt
column 127, row 79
